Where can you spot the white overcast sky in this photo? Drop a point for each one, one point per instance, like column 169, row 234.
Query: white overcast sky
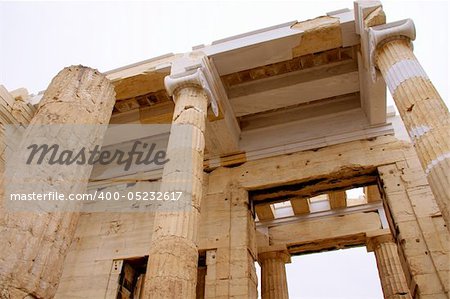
column 37, row 39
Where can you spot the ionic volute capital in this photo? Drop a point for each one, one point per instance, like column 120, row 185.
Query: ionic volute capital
column 188, row 71
column 379, row 35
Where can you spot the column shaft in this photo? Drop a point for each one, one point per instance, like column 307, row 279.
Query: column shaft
column 273, row 275
column 392, row 278
column 173, row 258
column 423, row 112
column 33, row 245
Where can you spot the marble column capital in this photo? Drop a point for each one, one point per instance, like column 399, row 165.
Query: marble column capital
column 192, row 71
column 379, row 35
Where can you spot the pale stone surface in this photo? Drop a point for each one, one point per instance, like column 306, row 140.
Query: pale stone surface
column 273, row 274
column 34, row 245
column 420, row 231
column 228, row 225
column 13, row 111
column 372, row 193
column 337, row 199
column 425, row 116
column 172, row 265
column 225, row 229
column 393, row 281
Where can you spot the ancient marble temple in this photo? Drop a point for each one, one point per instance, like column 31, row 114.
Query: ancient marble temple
column 266, row 131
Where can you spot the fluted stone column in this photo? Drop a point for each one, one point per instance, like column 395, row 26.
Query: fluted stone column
column 421, row 108
column 393, row 281
column 33, row 244
column 273, row 273
column 173, row 257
